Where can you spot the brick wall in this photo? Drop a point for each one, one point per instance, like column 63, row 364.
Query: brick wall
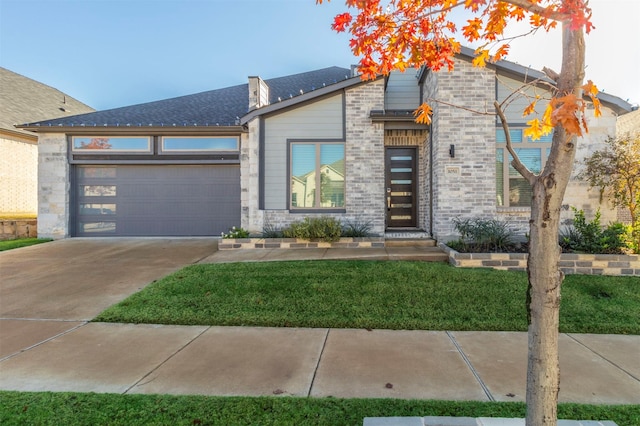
column 18, row 176
column 464, row 186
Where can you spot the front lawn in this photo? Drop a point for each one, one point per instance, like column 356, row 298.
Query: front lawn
column 373, row 294
column 23, row 242
column 17, row 408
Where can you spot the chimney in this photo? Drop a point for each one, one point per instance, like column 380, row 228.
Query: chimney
column 258, row 93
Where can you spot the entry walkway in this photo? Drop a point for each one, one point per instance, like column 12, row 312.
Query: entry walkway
column 46, row 347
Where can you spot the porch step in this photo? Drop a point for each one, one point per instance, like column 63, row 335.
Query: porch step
column 409, row 242
column 423, row 254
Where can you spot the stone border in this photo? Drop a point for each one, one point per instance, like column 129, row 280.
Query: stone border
column 18, row 228
column 296, row 243
column 570, row 263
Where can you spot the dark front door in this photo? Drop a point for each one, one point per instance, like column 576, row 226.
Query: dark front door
column 401, row 196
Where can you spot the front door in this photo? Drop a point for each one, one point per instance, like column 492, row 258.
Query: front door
column 401, row 187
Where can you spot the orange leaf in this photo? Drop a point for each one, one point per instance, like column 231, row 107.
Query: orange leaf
column 423, row 114
column 531, row 108
column 341, row 22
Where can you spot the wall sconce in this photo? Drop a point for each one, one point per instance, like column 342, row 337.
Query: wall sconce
column 452, row 151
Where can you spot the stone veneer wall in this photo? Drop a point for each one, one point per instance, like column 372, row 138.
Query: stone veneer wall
column 14, row 229
column 53, row 186
column 251, row 217
column 464, row 186
column 18, row 176
column 570, row 263
column 364, row 162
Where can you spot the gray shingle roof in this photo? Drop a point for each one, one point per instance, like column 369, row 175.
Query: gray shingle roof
column 220, row 107
column 25, row 100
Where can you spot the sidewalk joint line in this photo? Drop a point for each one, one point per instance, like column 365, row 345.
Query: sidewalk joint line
column 44, row 341
column 315, row 370
column 139, row 381
column 601, row 356
column 467, row 361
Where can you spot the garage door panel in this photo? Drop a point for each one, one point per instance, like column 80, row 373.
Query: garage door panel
column 157, row 200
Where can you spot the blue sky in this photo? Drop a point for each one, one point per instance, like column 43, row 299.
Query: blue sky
column 111, row 53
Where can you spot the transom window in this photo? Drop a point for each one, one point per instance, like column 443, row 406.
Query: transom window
column 512, row 190
column 198, row 144
column 317, row 175
column 100, row 144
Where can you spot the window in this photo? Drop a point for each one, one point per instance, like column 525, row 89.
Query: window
column 198, row 144
column 100, row 144
column 317, row 176
column 512, row 190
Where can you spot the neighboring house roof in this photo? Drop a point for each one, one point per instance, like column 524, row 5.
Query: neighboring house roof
column 628, row 123
column 221, row 107
column 25, row 100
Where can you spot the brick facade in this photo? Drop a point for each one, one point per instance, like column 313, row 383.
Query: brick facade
column 18, row 177
column 463, row 185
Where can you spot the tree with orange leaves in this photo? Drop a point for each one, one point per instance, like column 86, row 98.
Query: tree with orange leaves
column 398, row 34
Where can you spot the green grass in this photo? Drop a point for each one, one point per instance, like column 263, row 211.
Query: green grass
column 23, row 242
column 373, row 294
column 17, row 408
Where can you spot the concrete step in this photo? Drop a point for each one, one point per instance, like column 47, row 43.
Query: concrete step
column 424, row 254
column 409, row 242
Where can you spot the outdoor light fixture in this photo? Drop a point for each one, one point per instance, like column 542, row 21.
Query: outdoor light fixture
column 452, row 151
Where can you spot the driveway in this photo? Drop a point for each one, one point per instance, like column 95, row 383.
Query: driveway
column 76, row 279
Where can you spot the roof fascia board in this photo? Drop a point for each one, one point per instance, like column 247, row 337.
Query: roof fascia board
column 23, row 136
column 305, row 98
column 137, row 130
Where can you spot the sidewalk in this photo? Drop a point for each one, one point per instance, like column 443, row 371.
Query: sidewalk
column 343, row 363
column 38, row 353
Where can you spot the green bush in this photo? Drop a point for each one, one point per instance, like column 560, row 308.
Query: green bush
column 590, row 237
column 483, row 236
column 323, row 228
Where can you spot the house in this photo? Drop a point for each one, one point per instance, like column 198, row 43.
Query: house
column 25, row 100
column 324, row 142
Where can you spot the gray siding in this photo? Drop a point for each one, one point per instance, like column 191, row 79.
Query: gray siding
column 402, row 91
column 518, row 102
column 320, row 120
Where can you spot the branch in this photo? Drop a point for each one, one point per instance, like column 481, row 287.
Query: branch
column 538, row 10
column 438, row 101
column 516, row 163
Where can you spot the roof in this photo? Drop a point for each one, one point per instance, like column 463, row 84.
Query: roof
column 25, row 100
column 619, row 105
column 220, row 107
column 628, row 123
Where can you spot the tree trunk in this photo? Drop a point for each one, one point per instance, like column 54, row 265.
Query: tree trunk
column 545, row 277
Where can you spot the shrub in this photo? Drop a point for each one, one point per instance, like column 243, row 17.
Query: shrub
column 482, row 235
column 591, row 237
column 271, row 231
column 235, row 233
column 356, row 229
column 318, row 228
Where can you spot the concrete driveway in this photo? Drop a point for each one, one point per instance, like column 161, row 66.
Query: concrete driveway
column 76, row 279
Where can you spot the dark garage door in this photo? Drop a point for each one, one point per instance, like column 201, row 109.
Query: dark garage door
column 167, row 200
